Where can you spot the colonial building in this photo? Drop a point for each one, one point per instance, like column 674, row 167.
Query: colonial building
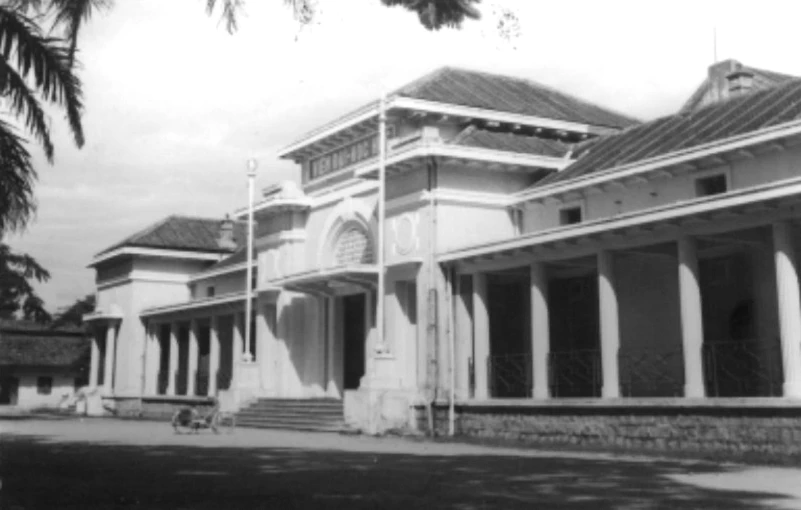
column 538, row 251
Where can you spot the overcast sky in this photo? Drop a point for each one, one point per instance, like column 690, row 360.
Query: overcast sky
column 175, row 105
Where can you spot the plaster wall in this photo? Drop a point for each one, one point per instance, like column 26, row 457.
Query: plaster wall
column 742, row 174
column 28, row 397
column 223, row 284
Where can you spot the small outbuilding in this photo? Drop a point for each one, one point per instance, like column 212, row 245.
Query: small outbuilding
column 41, row 366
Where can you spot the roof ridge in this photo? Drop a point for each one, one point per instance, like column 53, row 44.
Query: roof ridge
column 434, row 73
column 549, row 88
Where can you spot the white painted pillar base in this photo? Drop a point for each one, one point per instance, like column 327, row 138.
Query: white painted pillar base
column 108, row 376
column 214, row 354
column 610, row 325
column 173, row 359
column 692, row 321
column 789, row 307
column 480, row 335
column 540, row 331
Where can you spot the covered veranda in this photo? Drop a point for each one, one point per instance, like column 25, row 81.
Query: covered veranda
column 694, row 300
column 193, row 349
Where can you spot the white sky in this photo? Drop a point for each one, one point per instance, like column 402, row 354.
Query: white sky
column 175, row 105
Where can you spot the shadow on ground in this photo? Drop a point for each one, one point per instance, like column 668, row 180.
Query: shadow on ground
column 40, row 474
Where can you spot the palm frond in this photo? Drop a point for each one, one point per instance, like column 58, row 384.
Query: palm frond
column 23, row 103
column 17, row 175
column 71, row 14
column 46, row 62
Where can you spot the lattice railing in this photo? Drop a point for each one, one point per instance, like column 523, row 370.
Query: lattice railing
column 748, row 368
column 509, row 375
column 647, row 373
column 575, row 373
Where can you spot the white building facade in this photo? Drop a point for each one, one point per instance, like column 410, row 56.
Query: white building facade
column 536, row 248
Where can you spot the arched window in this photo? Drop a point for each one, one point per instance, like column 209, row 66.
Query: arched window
column 353, row 246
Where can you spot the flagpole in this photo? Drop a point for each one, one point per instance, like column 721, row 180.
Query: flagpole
column 382, row 156
column 248, row 356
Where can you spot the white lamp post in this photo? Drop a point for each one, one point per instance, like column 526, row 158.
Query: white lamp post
column 247, row 356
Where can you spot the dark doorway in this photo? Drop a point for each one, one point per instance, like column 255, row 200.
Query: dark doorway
column 509, row 364
column 9, row 389
column 575, row 359
column 353, row 332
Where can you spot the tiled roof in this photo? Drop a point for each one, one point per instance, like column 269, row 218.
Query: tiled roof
column 182, row 233
column 26, row 344
column 685, row 130
column 509, row 94
column 475, row 137
column 715, row 86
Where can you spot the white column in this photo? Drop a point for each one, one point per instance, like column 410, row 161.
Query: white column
column 237, row 348
column 369, row 339
column 94, row 366
column 155, row 358
column 789, row 307
column 464, row 336
column 108, row 376
column 692, row 320
column 610, row 325
column 191, row 369
column 262, row 358
column 480, row 335
column 334, row 357
column 173, row 370
column 540, row 331
column 214, row 354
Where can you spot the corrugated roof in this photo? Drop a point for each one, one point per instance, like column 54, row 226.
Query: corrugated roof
column 480, row 138
column 182, row 233
column 28, row 344
column 509, row 94
column 737, row 116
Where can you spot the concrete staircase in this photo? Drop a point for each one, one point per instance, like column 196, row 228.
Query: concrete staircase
column 318, row 415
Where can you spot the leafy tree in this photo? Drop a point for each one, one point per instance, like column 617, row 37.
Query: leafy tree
column 17, row 271
column 73, row 314
column 435, row 14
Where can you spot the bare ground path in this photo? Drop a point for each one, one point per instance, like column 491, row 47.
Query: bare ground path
column 99, row 464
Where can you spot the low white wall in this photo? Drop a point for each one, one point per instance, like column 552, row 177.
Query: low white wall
column 27, row 396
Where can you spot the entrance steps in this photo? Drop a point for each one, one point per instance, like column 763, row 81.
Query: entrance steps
column 317, row 415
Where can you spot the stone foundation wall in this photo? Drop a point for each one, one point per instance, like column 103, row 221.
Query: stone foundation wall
column 161, row 408
column 729, row 430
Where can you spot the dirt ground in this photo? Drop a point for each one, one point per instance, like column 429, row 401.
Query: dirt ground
column 100, row 464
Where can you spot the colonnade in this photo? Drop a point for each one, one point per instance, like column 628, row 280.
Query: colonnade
column 692, row 332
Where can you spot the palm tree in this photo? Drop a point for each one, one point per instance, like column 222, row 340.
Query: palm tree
column 34, row 67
